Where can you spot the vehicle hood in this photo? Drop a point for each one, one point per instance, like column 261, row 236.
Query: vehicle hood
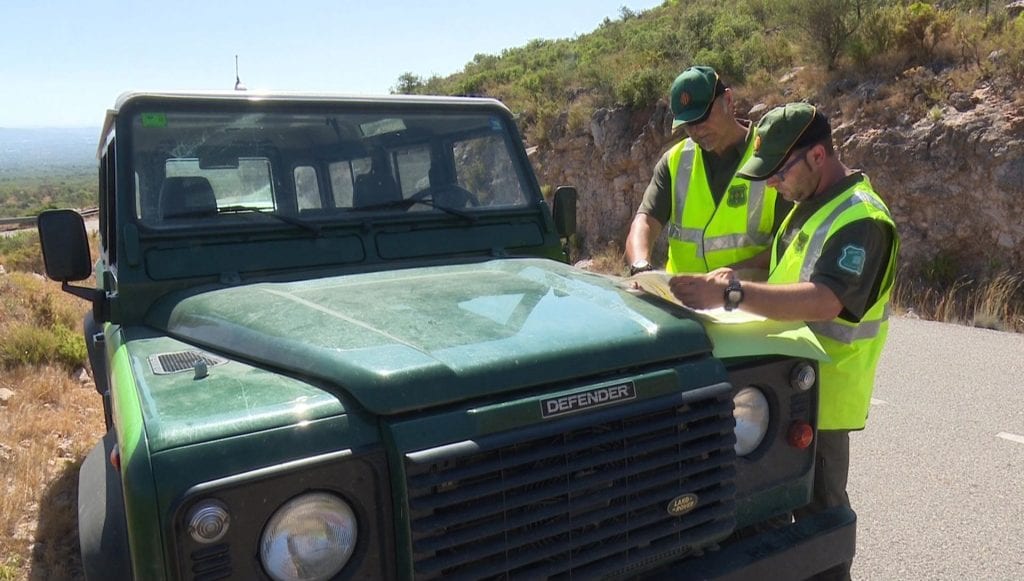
column 415, row 338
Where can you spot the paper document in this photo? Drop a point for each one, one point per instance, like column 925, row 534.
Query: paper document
column 655, row 282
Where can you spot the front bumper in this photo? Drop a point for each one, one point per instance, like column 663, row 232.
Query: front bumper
column 796, row 552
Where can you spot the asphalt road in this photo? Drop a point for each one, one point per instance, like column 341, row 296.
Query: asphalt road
column 937, row 478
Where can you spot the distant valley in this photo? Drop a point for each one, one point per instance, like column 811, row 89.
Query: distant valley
column 39, row 150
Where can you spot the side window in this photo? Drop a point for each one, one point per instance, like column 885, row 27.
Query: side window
column 484, row 166
column 307, row 188
column 108, row 210
column 343, row 176
column 102, row 188
column 413, row 169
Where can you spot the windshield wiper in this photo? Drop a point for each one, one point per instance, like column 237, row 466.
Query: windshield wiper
column 409, row 202
column 238, row 209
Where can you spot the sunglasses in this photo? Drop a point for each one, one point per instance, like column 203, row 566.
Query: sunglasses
column 794, row 158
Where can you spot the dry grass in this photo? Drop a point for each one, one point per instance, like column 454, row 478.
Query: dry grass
column 608, row 260
column 46, row 429
column 47, row 425
column 996, row 302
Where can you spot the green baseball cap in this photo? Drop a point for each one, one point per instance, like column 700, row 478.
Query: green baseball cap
column 781, row 131
column 692, row 94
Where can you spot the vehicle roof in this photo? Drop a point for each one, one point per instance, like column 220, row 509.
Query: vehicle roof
column 283, row 97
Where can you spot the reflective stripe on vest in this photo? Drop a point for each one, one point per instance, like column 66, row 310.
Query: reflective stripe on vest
column 817, row 242
column 754, row 237
column 849, row 333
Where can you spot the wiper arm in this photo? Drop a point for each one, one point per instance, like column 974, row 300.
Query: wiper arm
column 238, row 209
column 409, row 202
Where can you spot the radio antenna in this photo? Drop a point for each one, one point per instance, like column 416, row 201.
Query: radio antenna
column 239, row 85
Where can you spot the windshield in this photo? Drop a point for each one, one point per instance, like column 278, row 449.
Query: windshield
column 203, row 168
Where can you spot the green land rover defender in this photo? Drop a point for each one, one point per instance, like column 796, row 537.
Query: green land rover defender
column 337, row 338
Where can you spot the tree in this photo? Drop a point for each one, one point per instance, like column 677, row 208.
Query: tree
column 408, row 84
column 828, row 24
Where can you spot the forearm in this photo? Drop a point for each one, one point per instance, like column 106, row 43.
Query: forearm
column 642, row 233
column 804, row 301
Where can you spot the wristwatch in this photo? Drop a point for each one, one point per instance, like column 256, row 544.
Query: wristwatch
column 733, row 294
column 639, row 266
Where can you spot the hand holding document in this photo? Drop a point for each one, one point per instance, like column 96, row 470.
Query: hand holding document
column 736, row 333
column 655, row 282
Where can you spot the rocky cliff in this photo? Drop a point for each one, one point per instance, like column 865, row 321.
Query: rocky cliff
column 953, row 177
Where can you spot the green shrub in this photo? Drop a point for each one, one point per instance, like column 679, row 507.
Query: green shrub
column 21, row 252
column 642, row 88
column 921, row 27
column 32, row 345
column 1013, row 44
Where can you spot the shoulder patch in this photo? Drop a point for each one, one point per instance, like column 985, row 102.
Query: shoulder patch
column 852, row 259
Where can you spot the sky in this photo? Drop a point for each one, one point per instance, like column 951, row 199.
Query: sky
column 64, row 62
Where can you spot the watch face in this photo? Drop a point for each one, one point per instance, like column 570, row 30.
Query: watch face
column 639, row 266
column 735, row 296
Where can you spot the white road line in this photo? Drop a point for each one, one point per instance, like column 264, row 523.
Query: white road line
column 878, row 402
column 1011, row 437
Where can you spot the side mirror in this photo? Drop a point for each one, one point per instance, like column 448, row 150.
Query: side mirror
column 563, row 210
column 65, row 245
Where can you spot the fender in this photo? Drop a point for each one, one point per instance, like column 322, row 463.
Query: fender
column 101, row 522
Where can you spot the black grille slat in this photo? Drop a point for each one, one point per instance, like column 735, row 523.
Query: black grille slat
column 580, row 496
column 518, row 558
column 452, row 539
column 581, row 463
column 166, row 363
column 433, row 479
column 607, row 561
column 647, row 507
column 211, row 563
column 517, row 500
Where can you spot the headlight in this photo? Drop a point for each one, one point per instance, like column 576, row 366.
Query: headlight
column 751, row 413
column 310, row 538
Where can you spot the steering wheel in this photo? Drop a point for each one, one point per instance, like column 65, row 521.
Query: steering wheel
column 450, row 195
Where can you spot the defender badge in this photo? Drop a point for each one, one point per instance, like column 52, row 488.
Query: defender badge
column 683, row 504
column 577, row 402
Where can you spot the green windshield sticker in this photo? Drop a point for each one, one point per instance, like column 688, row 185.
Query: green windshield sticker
column 154, row 120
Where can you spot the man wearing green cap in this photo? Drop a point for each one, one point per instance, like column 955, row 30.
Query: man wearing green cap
column 713, row 218
column 832, row 264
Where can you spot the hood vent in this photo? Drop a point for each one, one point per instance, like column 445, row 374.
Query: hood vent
column 165, row 363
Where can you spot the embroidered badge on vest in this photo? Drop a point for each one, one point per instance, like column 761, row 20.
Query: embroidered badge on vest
column 737, row 196
column 852, row 259
column 801, row 241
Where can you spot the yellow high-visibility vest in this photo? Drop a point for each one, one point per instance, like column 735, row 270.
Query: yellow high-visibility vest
column 849, row 378
column 703, row 236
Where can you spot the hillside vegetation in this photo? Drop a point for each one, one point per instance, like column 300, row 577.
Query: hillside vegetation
column 29, row 192
column 630, row 61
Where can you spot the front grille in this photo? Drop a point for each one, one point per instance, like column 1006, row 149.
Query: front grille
column 211, row 563
column 582, row 497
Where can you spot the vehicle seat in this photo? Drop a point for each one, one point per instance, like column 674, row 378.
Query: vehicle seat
column 187, row 197
column 374, row 188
